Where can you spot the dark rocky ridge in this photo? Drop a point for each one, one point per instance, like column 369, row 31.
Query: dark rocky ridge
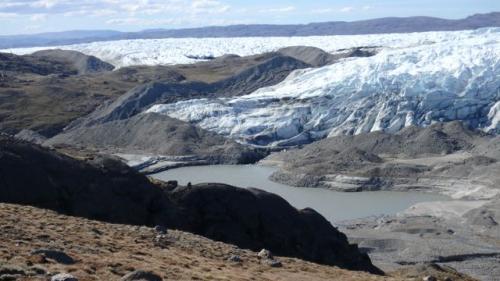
column 59, row 62
column 83, row 64
column 373, row 26
column 99, row 188
column 11, row 64
column 104, row 189
column 255, row 219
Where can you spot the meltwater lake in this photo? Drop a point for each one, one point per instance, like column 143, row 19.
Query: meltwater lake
column 334, row 206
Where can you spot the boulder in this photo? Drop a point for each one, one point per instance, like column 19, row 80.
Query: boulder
column 63, row 277
column 161, row 229
column 57, row 256
column 234, row 258
column 273, row 263
column 265, row 254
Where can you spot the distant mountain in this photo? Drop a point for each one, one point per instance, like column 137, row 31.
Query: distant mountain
column 56, row 38
column 374, row 26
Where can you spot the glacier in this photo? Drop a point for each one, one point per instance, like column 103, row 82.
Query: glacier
column 124, row 53
column 417, row 84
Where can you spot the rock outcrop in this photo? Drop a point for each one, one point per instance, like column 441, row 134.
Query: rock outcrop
column 445, row 157
column 255, row 219
column 98, row 188
column 11, row 65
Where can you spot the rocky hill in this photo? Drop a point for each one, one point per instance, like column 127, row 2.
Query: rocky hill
column 26, row 92
column 12, row 64
column 83, row 64
column 155, row 134
column 104, row 189
column 38, row 244
column 454, row 159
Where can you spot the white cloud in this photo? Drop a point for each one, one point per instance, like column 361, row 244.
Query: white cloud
column 38, row 17
column 7, row 15
column 128, row 6
column 10, row 4
column 280, row 10
column 322, row 11
column 347, row 9
column 104, row 13
column 142, row 21
column 45, row 3
column 31, row 28
column 367, row 7
column 209, row 6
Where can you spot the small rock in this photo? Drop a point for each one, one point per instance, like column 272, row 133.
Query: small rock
column 140, row 275
column 9, row 277
column 448, row 279
column 63, row 277
column 161, row 229
column 96, row 231
column 235, row 258
column 430, row 278
column 274, row 263
column 265, row 254
column 160, row 237
column 38, row 270
column 58, row 256
column 11, row 270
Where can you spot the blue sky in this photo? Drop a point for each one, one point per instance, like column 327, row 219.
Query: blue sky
column 34, row 16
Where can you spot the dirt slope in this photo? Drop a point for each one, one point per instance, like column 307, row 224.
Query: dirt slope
column 103, row 251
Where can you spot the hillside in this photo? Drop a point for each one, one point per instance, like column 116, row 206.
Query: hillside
column 37, row 244
column 49, row 79
column 103, row 188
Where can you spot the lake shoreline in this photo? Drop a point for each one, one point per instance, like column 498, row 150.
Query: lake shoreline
column 328, row 202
